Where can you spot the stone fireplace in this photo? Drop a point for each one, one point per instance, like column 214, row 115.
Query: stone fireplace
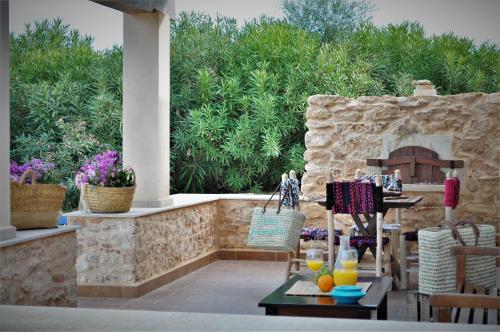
column 344, row 133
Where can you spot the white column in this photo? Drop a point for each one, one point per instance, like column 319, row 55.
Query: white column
column 6, row 230
column 146, row 105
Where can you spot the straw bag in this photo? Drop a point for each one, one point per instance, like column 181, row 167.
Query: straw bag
column 101, row 199
column 437, row 266
column 276, row 229
column 35, row 205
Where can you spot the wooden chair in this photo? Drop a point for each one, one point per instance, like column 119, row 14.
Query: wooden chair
column 470, row 305
column 379, row 222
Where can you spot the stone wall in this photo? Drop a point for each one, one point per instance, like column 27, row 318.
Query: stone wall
column 343, row 133
column 128, row 250
column 235, row 215
column 168, row 239
column 39, row 272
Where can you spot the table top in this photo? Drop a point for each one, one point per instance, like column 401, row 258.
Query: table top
column 403, row 202
column 371, row 301
column 392, row 202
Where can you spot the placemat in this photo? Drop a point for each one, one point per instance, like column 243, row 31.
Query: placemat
column 305, row 288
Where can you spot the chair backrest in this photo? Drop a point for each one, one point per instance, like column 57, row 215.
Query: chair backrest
column 462, row 252
column 353, row 197
column 470, row 305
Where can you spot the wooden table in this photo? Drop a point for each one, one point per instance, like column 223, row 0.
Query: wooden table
column 372, row 306
column 391, row 202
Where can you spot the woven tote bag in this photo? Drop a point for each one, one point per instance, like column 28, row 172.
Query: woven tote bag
column 437, row 266
column 276, row 229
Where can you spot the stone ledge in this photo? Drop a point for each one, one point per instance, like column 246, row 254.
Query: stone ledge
column 179, row 201
column 35, row 234
column 247, row 197
column 25, row 318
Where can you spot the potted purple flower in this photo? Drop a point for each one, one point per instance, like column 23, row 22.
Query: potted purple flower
column 107, row 186
column 35, row 201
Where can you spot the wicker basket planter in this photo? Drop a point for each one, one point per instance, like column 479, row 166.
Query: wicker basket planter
column 108, row 199
column 35, row 205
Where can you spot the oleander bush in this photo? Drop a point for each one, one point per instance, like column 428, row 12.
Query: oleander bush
column 238, row 95
column 66, row 99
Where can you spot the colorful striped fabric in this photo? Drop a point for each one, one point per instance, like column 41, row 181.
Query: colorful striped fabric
column 451, row 192
column 353, row 197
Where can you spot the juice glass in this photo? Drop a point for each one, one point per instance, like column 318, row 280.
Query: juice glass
column 314, row 260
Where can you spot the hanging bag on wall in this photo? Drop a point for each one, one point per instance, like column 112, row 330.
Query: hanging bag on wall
column 437, row 266
column 277, row 229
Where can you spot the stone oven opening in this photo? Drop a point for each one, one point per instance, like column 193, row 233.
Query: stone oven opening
column 418, row 165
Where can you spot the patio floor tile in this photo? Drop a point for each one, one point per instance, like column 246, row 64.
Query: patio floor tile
column 230, row 287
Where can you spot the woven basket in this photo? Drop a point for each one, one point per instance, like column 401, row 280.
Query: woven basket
column 35, row 205
column 437, row 266
column 108, row 199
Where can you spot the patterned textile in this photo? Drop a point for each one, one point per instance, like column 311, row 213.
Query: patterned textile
column 451, row 192
column 290, row 199
column 389, row 182
column 353, row 197
column 317, row 234
column 358, row 242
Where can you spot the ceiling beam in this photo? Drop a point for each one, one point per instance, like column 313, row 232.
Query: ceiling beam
column 140, row 6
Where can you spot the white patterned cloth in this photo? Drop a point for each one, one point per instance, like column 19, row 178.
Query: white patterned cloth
column 386, row 228
column 291, row 199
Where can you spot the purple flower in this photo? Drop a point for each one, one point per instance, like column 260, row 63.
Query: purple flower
column 40, row 167
column 105, row 169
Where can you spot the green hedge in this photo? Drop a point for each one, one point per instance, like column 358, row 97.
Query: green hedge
column 238, row 96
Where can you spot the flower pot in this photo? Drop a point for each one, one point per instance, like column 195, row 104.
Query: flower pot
column 108, row 199
column 35, row 205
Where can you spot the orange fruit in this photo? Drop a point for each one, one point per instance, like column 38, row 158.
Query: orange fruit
column 325, row 283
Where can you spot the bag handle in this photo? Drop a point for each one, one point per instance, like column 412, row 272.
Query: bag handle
column 270, row 198
column 456, row 234
column 28, row 172
column 281, row 199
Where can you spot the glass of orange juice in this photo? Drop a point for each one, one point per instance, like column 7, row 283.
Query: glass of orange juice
column 314, row 260
column 347, row 275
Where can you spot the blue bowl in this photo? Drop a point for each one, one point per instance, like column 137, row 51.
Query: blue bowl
column 347, row 294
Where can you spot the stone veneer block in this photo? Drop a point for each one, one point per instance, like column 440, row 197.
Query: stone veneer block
column 127, row 251
column 343, row 133
column 40, row 271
